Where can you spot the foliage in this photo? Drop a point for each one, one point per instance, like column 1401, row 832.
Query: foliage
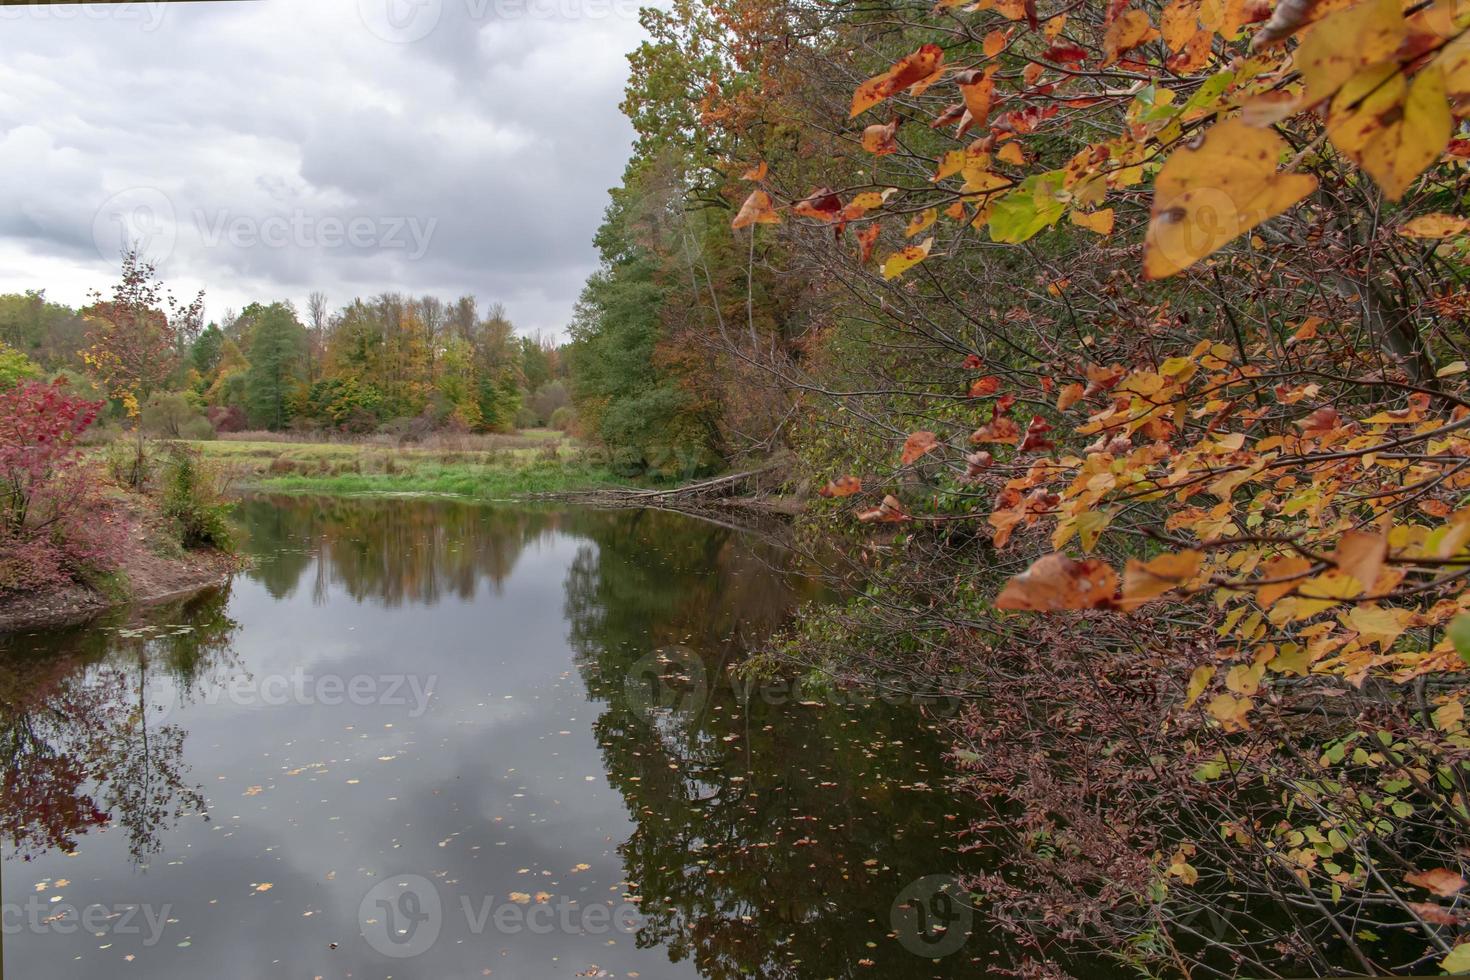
column 1156, row 311
column 15, row 367
column 192, row 501
column 49, row 531
column 173, row 415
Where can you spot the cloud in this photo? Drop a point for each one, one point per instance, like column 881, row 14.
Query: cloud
column 264, row 150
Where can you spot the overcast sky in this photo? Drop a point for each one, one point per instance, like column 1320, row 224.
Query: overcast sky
column 262, row 150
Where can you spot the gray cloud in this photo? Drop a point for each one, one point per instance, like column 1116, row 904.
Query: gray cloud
column 265, row 149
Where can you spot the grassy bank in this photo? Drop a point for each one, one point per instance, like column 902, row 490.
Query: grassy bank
column 485, row 467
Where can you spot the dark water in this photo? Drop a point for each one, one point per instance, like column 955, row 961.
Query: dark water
column 428, row 739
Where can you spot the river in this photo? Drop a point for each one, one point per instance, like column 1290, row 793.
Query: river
column 423, row 738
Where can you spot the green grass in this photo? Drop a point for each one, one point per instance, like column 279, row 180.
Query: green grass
column 467, row 480
column 526, row 464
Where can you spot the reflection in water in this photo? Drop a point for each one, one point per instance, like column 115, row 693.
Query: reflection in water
column 83, row 740
column 762, row 834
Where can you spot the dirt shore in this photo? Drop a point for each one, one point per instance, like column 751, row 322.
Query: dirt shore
column 152, row 569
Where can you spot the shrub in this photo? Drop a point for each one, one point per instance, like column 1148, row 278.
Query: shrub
column 227, row 418
column 563, row 418
column 172, row 415
column 192, row 501
column 53, row 527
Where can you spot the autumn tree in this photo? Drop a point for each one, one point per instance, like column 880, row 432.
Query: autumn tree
column 135, row 338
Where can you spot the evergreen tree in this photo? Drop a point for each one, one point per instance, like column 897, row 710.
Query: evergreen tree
column 277, row 366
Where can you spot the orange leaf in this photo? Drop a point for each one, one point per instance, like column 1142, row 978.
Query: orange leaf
column 821, row 204
column 758, row 172
column 1126, row 33
column 1441, row 881
column 982, row 387
column 756, row 210
column 1000, row 429
column 843, row 486
column 918, row 67
column 1143, row 581
column 890, row 511
column 878, row 139
column 867, row 237
column 917, row 444
column 1291, row 569
column 1056, row 582
column 1069, row 396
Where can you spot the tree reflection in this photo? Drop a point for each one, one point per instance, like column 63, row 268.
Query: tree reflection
column 387, row 550
column 772, row 838
column 83, row 732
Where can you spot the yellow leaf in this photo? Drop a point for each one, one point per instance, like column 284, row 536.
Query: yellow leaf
column 1229, row 711
column 1213, row 189
column 1098, row 221
column 1342, row 44
column 1434, row 226
column 921, row 221
column 1198, row 681
column 1451, row 369
column 1180, row 23
column 1130, row 30
column 1391, row 127
column 1376, row 625
column 1012, row 153
column 1454, row 63
column 901, row 261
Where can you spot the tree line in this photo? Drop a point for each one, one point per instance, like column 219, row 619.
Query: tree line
column 399, row 363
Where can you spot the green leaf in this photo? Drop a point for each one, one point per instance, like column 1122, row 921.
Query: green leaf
column 1459, row 633
column 1458, row 961
column 1028, row 209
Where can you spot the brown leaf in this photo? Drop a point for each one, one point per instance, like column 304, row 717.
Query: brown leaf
column 1360, row 554
column 917, row 444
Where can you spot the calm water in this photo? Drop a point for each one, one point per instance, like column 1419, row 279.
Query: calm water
column 428, row 739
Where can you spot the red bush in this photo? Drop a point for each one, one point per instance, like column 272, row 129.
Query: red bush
column 227, row 419
column 52, row 525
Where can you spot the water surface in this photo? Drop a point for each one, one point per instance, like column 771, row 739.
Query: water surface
column 431, row 739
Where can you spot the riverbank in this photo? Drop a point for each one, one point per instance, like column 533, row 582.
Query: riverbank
column 150, row 567
column 511, row 466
